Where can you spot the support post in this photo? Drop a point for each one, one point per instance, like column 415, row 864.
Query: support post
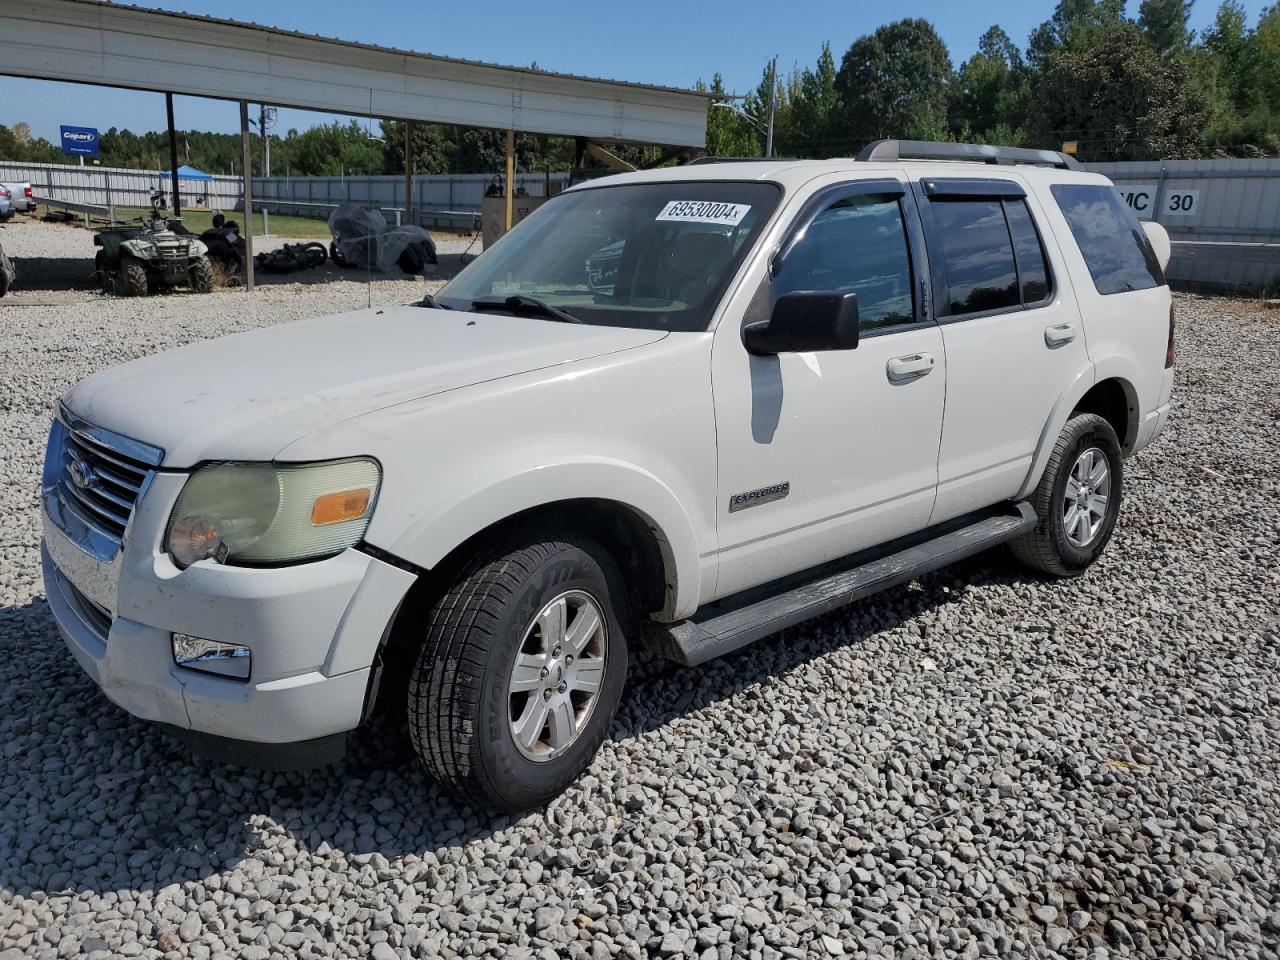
column 173, row 155
column 511, row 176
column 246, row 156
column 408, row 172
column 773, row 94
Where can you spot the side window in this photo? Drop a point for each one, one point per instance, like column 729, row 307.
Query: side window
column 1113, row 244
column 977, row 253
column 856, row 245
column 1030, row 253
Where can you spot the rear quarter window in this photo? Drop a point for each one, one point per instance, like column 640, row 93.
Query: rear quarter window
column 1112, row 242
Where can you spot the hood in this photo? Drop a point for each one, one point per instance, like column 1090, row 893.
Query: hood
column 247, row 396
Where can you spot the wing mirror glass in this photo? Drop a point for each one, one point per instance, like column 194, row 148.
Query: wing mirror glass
column 805, row 321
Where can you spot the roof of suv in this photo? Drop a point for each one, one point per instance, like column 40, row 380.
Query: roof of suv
column 793, row 173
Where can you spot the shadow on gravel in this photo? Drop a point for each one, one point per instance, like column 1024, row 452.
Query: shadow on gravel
column 53, row 273
column 95, row 800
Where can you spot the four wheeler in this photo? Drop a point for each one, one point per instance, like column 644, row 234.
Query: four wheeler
column 159, row 252
column 225, row 244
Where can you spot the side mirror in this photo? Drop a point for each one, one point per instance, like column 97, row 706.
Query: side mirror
column 1159, row 238
column 804, row 321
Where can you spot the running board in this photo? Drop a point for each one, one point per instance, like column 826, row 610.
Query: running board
column 733, row 623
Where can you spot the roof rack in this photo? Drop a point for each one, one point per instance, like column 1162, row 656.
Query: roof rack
column 708, row 158
column 977, row 152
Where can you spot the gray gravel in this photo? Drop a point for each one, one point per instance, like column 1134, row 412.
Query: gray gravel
column 979, row 764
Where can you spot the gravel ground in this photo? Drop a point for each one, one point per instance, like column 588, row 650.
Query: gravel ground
column 982, row 763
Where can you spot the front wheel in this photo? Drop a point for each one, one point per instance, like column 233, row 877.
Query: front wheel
column 131, row 279
column 521, row 672
column 1077, row 500
column 200, row 275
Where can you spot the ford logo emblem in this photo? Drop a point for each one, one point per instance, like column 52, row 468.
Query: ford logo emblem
column 81, row 471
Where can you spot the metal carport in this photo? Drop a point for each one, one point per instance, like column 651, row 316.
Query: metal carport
column 90, row 41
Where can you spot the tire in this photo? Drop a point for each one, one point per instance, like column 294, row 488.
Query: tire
column 200, row 275
column 131, row 279
column 460, row 699
column 1051, row 547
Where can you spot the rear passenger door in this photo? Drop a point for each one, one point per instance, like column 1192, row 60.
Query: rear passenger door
column 1011, row 330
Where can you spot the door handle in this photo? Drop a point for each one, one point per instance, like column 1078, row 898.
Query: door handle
column 911, row 367
column 1060, row 334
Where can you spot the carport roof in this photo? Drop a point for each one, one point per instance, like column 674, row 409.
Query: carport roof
column 92, row 41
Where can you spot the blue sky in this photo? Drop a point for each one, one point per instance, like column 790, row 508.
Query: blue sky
column 669, row 42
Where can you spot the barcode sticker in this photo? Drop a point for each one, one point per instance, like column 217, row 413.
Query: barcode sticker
column 704, row 211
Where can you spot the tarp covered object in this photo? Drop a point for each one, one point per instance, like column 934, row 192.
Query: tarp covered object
column 7, row 273
column 363, row 240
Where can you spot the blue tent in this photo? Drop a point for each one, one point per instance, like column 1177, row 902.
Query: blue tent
column 191, row 173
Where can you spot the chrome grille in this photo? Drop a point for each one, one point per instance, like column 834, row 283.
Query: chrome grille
column 99, row 484
column 92, row 480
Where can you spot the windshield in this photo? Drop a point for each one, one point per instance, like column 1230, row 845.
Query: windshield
column 656, row 256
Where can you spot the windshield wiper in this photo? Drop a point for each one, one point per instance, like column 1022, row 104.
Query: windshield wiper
column 519, row 303
column 430, row 302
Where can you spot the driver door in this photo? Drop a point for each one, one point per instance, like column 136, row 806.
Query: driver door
column 823, row 454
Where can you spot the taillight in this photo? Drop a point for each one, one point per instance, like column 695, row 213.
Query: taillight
column 26, row 192
column 1170, row 351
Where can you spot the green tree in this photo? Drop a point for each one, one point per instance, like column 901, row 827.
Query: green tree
column 990, row 92
column 728, row 134
column 1120, row 99
column 1073, row 21
column 893, row 83
column 1165, row 24
column 815, row 107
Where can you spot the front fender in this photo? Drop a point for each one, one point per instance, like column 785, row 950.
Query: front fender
column 476, row 504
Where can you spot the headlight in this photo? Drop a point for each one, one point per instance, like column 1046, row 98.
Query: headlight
column 272, row 513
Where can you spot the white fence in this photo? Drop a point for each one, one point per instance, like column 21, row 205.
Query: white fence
column 118, row 187
column 452, row 200
column 449, row 200
column 1222, row 215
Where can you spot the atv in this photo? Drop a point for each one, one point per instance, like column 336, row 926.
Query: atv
column 159, row 252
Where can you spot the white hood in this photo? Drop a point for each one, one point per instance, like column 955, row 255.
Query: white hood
column 249, row 395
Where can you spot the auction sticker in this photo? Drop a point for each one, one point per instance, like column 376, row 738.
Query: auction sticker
column 704, row 211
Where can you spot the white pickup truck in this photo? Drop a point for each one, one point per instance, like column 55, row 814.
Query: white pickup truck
column 683, row 408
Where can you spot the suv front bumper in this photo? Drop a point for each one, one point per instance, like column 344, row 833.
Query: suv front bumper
column 314, row 629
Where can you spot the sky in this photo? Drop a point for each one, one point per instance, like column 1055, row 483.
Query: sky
column 668, row 42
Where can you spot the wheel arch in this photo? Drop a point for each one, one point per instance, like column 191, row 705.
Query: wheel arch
column 1107, row 390
column 623, row 507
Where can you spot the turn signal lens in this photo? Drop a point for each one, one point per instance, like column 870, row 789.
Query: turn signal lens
column 336, row 507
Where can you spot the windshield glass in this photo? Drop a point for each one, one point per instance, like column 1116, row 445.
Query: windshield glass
column 656, row 256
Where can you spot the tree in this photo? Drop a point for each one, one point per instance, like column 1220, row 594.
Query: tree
column 1120, row 99
column 1073, row 21
column 1165, row 24
column 893, row 83
column 728, row 134
column 990, row 92
column 815, row 107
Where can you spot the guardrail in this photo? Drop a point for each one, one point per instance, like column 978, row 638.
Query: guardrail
column 71, row 206
column 427, row 216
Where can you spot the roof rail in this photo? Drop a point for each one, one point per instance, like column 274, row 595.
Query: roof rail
column 977, row 152
column 708, row 158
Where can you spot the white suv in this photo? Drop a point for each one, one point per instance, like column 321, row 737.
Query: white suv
column 682, row 408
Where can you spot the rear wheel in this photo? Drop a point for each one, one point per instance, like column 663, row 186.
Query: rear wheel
column 520, row 673
column 200, row 275
column 1077, row 500
column 131, row 279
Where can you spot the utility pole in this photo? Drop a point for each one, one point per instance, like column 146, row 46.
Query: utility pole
column 266, row 139
column 773, row 96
